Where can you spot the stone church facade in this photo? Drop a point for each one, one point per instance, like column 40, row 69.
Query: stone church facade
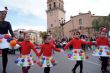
column 55, row 12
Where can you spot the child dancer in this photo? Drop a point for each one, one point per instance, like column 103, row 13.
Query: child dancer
column 103, row 49
column 26, row 60
column 77, row 53
column 47, row 60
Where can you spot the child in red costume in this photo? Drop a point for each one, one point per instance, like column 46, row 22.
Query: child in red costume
column 76, row 42
column 26, row 60
column 103, row 44
column 47, row 58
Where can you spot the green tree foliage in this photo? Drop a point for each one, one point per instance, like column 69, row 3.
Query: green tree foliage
column 101, row 22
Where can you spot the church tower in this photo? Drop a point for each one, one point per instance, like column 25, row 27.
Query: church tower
column 55, row 12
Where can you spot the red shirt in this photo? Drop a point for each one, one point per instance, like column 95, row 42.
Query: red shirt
column 76, row 43
column 46, row 49
column 102, row 42
column 26, row 47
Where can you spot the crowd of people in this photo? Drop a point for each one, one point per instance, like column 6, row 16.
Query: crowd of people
column 76, row 44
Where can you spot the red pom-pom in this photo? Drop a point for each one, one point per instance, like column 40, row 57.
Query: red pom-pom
column 87, row 57
column 39, row 63
column 69, row 56
column 80, row 54
column 34, row 61
column 108, row 53
column 52, row 61
column 6, row 36
column 75, row 51
column 29, row 60
column 101, row 50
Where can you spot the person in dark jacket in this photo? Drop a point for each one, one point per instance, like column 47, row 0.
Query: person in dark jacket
column 5, row 26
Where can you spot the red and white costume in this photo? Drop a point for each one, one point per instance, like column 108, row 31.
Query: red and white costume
column 47, row 56
column 102, row 47
column 25, row 59
column 77, row 53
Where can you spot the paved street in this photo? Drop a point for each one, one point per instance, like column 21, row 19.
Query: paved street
column 64, row 65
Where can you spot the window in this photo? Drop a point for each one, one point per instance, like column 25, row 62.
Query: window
column 54, row 4
column 49, row 6
column 59, row 4
column 80, row 21
column 51, row 25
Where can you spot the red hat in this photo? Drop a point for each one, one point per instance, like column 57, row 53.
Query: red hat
column 103, row 29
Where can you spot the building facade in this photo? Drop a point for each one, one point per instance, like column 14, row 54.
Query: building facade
column 82, row 21
column 55, row 11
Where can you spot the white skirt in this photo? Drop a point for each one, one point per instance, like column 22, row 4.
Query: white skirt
column 46, row 62
column 76, row 55
column 16, row 47
column 4, row 44
column 25, row 60
column 102, row 51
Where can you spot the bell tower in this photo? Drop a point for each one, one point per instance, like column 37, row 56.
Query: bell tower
column 55, row 11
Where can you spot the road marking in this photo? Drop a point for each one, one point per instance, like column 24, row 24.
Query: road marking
column 93, row 63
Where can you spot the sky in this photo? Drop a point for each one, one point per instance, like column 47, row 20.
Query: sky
column 30, row 14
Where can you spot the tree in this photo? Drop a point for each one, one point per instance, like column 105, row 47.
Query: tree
column 95, row 24
column 101, row 22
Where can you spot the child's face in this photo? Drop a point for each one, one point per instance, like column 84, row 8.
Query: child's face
column 103, row 34
column 47, row 40
column 77, row 35
column 27, row 37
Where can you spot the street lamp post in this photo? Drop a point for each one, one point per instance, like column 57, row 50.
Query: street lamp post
column 62, row 23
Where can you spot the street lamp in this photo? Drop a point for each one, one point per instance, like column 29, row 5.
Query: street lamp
column 62, row 23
